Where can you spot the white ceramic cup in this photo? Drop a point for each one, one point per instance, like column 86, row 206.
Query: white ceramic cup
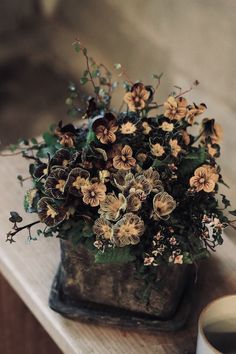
column 217, row 327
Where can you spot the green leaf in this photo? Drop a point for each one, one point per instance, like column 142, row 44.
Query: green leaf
column 95, row 73
column 49, row 139
column 233, row 212
column 115, row 255
column 77, row 47
column 83, row 80
column 72, row 112
column 44, row 151
column 91, row 136
column 15, row 217
column 34, row 141
column 192, row 161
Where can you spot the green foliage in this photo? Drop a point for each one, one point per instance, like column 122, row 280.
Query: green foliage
column 115, row 255
column 191, row 161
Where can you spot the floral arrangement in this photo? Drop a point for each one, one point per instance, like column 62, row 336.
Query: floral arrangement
column 134, row 185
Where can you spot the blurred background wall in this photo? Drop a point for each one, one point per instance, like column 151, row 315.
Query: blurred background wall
column 184, row 39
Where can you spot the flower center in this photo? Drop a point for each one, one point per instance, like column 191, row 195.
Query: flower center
column 201, row 180
column 51, row 212
column 105, row 131
column 123, row 158
column 92, row 193
column 60, row 185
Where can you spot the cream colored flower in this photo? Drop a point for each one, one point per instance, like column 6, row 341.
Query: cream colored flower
column 103, row 229
column 204, row 179
column 175, row 108
column 128, row 230
column 128, row 128
column 194, row 111
column 153, row 178
column 133, row 203
column 167, row 127
column 139, row 184
column 163, row 205
column 146, row 128
column 157, row 150
column 175, row 147
column 122, row 179
column 105, row 129
column 112, row 206
column 137, row 98
column 94, row 193
column 124, row 159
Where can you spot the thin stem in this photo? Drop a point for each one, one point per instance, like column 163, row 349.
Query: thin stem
column 11, row 234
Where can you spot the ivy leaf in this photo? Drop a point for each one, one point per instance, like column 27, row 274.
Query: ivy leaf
column 49, row 139
column 15, row 217
column 115, row 255
column 83, row 80
column 77, row 47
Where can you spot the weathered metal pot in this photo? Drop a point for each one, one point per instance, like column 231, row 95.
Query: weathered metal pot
column 108, row 292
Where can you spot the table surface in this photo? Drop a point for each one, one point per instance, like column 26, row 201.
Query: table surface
column 30, row 268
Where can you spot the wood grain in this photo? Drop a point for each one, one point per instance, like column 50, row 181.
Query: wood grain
column 30, row 268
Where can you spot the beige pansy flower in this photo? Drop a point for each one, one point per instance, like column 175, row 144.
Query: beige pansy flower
column 146, row 128
column 175, row 108
column 103, row 229
column 124, row 159
column 194, row 111
column 105, row 129
column 133, row 203
column 128, row 128
column 128, row 230
column 112, row 206
column 153, row 178
column 175, row 147
column 163, row 205
column 157, row 150
column 204, row 179
column 137, row 98
column 167, row 127
column 94, row 193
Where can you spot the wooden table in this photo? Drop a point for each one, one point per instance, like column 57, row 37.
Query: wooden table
column 30, row 267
